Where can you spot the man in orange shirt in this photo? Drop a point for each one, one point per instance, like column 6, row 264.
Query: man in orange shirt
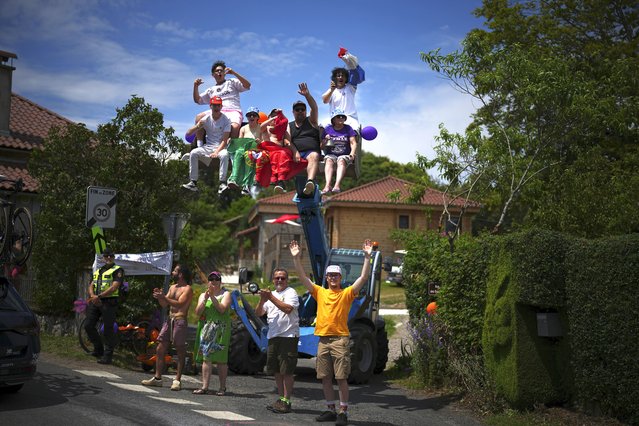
column 331, row 324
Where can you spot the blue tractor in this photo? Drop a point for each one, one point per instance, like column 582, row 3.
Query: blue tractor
column 369, row 341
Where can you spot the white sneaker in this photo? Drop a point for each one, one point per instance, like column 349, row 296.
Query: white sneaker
column 153, row 381
column 176, row 386
column 223, row 187
column 191, row 186
column 309, row 187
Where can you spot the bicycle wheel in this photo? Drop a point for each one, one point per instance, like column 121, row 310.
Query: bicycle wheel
column 83, row 337
column 21, row 236
column 140, row 340
column 4, row 228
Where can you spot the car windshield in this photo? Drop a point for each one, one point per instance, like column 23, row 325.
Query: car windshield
column 9, row 298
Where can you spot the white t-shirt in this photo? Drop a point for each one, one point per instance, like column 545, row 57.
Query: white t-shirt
column 229, row 91
column 279, row 323
column 215, row 129
column 344, row 99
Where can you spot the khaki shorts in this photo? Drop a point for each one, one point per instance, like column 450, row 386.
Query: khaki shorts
column 281, row 355
column 333, row 357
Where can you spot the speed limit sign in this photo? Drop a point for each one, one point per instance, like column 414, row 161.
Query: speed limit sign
column 101, row 207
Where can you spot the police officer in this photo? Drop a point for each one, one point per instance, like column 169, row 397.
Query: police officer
column 103, row 302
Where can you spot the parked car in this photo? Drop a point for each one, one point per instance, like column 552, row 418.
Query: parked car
column 394, row 267
column 19, row 339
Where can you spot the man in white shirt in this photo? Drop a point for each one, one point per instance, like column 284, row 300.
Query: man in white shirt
column 218, row 130
column 280, row 307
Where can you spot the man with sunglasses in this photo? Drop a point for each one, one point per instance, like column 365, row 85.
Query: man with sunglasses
column 103, row 302
column 280, row 307
column 331, row 325
column 305, row 136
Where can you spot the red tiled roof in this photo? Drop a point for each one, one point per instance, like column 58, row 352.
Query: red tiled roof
column 29, row 124
column 376, row 192
column 13, row 173
column 278, row 199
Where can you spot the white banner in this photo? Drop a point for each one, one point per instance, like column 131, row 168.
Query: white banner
column 157, row 263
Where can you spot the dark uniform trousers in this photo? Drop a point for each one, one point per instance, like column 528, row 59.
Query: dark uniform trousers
column 107, row 311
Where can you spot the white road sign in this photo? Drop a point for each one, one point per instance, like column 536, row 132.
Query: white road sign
column 101, row 207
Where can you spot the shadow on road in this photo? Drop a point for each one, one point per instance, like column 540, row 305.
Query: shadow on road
column 47, row 390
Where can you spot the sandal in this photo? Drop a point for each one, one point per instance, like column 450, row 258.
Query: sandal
column 326, row 191
column 202, row 392
column 221, row 392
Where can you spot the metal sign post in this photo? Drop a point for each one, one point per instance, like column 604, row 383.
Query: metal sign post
column 173, row 224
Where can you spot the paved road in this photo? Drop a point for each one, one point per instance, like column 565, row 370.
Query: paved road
column 70, row 392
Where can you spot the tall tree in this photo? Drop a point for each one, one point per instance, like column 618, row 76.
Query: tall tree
column 131, row 154
column 558, row 92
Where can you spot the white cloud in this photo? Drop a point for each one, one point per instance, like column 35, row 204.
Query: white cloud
column 410, row 123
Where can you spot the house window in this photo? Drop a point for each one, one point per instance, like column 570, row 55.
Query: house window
column 404, row 221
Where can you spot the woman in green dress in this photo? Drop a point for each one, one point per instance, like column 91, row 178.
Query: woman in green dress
column 214, row 334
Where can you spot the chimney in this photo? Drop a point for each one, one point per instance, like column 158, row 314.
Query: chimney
column 6, row 72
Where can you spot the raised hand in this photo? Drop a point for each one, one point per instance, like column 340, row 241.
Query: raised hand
column 368, row 247
column 303, row 89
column 294, row 247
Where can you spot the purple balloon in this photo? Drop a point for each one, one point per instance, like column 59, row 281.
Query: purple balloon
column 190, row 138
column 369, row 133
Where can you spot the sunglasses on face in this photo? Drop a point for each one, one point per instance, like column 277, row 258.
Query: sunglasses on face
column 299, row 109
column 332, row 275
column 252, row 116
column 279, row 279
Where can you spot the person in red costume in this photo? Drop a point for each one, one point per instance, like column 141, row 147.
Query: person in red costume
column 277, row 162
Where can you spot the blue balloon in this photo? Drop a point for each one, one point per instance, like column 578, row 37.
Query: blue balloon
column 369, row 133
column 190, row 138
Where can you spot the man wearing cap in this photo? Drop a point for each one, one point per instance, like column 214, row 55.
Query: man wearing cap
column 103, row 302
column 331, row 324
column 242, row 173
column 175, row 328
column 339, row 142
column 305, row 136
column 229, row 90
column 280, row 307
column 218, row 130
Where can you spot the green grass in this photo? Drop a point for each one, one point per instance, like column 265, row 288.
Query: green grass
column 392, row 296
column 69, row 347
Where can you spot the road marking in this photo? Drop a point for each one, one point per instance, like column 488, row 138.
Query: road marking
column 135, row 388
column 94, row 373
column 224, row 415
column 176, row 401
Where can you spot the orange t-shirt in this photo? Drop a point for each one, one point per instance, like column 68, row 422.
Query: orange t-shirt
column 332, row 310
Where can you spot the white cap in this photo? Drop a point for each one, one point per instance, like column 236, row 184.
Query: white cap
column 334, row 269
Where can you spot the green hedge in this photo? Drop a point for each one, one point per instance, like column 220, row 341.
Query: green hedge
column 603, row 305
column 526, row 277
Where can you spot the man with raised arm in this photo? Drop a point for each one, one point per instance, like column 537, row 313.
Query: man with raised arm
column 178, row 299
column 331, row 324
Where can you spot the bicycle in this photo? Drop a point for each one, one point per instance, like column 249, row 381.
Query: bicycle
column 16, row 227
column 131, row 335
column 135, row 336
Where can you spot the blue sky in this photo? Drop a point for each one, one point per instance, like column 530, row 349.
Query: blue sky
column 84, row 58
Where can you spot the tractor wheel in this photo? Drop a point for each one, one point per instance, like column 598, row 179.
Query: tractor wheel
column 245, row 357
column 363, row 354
column 382, row 348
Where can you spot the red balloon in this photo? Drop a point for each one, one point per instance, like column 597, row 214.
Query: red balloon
column 369, row 133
